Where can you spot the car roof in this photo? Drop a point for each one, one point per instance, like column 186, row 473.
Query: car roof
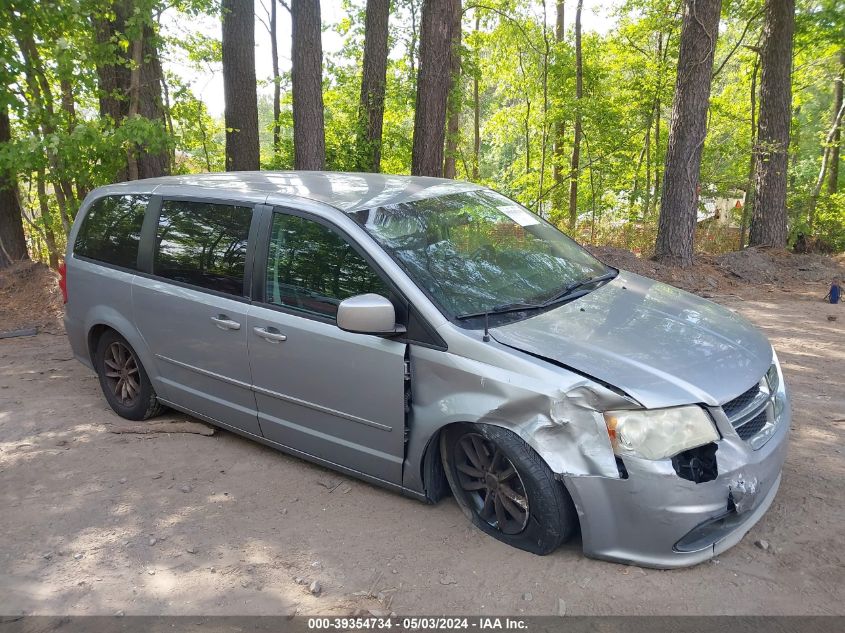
column 346, row 191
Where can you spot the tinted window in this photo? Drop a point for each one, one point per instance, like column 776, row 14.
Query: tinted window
column 111, row 230
column 312, row 268
column 203, row 244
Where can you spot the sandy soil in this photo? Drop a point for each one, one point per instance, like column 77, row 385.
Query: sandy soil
column 98, row 522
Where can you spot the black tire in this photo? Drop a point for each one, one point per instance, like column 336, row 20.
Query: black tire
column 124, row 381
column 549, row 516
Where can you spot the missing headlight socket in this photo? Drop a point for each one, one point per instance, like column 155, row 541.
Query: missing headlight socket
column 697, row 464
column 620, row 466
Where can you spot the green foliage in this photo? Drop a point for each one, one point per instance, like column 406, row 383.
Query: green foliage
column 830, row 221
column 526, row 106
column 198, row 137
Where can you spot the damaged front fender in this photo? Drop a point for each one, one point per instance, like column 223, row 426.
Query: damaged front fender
column 558, row 413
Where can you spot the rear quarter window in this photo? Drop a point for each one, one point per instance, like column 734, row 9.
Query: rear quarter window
column 111, row 230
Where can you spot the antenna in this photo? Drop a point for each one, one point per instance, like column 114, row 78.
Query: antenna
column 486, row 337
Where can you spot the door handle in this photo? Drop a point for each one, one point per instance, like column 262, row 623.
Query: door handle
column 225, row 323
column 271, row 337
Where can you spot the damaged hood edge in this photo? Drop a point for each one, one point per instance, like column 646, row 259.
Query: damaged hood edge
column 658, row 344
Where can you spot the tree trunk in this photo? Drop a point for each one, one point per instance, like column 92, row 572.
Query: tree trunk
column 476, row 113
column 277, row 85
column 47, row 220
column 68, row 104
column 373, row 85
column 12, row 239
column 168, row 120
column 574, row 163
column 635, row 186
column 453, row 105
column 658, row 172
column 748, row 208
column 239, row 85
column 833, row 173
column 647, row 197
column 560, row 31
column 309, row 140
column 134, row 99
column 544, row 136
column 559, row 127
column 432, row 87
column 66, row 87
column 768, row 222
column 661, row 56
column 115, row 68
column 526, row 132
column 151, row 105
column 412, row 44
column 687, row 129
column 112, row 73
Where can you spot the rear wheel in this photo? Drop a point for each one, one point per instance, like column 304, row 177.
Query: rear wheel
column 124, row 382
column 505, row 488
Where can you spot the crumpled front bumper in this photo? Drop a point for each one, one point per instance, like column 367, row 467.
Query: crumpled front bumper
column 656, row 519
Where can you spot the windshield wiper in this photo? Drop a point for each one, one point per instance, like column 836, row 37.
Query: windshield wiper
column 505, row 308
column 571, row 288
column 502, row 308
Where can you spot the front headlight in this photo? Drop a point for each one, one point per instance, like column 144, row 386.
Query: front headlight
column 775, row 385
column 659, row 433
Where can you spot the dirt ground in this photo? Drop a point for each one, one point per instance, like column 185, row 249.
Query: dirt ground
column 94, row 521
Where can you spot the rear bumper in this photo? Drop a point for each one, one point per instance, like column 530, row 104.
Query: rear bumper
column 656, row 519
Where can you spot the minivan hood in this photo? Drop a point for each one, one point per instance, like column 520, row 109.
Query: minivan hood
column 660, row 345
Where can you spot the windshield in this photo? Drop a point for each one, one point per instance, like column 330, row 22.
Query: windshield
column 478, row 251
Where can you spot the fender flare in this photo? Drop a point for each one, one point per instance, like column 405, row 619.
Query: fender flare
column 103, row 316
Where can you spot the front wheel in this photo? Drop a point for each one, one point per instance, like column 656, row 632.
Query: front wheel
column 505, row 488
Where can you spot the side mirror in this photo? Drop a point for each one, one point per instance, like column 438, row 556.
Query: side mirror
column 368, row 314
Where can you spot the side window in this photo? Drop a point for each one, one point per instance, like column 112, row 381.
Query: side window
column 312, row 268
column 111, row 230
column 203, row 244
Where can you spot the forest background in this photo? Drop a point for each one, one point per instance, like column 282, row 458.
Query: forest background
column 667, row 127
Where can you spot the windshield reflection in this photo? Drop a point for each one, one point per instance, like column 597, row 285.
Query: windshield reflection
column 477, row 250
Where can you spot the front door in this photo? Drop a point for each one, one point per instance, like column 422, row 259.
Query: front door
column 192, row 311
column 338, row 396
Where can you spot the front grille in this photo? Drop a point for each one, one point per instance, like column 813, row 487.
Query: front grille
column 749, row 429
column 751, row 413
column 741, row 402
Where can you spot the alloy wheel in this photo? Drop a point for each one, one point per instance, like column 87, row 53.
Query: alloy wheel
column 491, row 483
column 122, row 373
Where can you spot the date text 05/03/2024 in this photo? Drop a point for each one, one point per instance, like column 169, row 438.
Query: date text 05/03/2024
column 425, row 623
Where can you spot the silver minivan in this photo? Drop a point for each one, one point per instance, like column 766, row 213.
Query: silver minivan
column 430, row 336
